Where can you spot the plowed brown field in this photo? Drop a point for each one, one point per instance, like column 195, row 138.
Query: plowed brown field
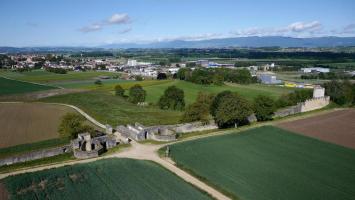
column 336, row 127
column 22, row 123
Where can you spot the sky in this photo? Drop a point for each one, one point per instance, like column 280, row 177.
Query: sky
column 97, row 22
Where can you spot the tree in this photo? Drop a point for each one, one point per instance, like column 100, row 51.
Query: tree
column 340, row 92
column 199, row 110
column 184, row 74
column 119, row 91
column 217, row 100
column 162, row 76
column 232, row 110
column 264, row 107
column 173, row 98
column 72, row 124
column 137, row 94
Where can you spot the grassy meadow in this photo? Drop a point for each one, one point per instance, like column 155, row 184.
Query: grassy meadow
column 8, row 87
column 270, row 163
column 191, row 90
column 110, row 109
column 104, row 179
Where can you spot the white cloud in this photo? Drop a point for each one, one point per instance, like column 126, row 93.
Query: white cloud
column 349, row 29
column 115, row 19
column 304, row 26
column 91, row 28
column 119, row 19
column 294, row 29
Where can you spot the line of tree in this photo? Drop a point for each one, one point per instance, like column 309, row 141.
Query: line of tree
column 229, row 109
column 215, row 76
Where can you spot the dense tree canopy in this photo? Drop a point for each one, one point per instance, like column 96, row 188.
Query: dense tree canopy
column 173, row 98
column 232, row 110
column 340, row 92
column 264, row 107
column 199, row 110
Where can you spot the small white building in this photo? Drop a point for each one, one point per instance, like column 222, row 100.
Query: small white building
column 315, row 69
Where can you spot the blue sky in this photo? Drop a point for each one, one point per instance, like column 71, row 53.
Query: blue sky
column 97, row 22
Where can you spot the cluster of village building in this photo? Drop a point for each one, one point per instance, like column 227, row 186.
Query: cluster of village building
column 146, row 69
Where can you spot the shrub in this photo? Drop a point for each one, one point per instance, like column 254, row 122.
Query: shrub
column 72, row 124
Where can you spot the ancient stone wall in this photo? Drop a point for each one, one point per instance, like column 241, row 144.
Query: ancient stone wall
column 314, row 104
column 34, row 155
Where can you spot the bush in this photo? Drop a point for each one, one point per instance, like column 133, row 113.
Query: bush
column 173, row 98
column 72, row 124
column 137, row 94
column 119, row 91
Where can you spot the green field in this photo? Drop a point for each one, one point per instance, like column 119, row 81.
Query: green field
column 109, row 109
column 270, row 163
column 191, row 90
column 42, row 76
column 8, row 87
column 104, row 179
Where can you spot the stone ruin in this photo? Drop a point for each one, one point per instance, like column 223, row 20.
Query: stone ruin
column 86, row 146
column 139, row 132
column 318, row 101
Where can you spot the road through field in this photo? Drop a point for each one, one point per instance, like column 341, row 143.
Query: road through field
column 149, row 152
column 140, row 152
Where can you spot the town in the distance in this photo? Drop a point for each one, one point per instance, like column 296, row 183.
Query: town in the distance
column 119, row 100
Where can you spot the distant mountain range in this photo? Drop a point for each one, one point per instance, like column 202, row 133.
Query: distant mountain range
column 271, row 41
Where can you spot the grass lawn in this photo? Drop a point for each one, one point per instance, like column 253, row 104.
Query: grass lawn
column 270, row 163
column 8, row 87
column 42, row 76
column 191, row 90
column 104, row 179
column 109, row 109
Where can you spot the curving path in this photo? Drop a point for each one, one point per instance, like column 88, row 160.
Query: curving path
column 149, row 152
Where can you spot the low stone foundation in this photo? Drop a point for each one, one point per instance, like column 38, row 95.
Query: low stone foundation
column 34, row 155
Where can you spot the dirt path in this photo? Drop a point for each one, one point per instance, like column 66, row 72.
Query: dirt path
column 149, row 152
column 140, row 152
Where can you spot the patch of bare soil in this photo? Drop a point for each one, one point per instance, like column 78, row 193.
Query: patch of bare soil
column 23, row 123
column 3, row 192
column 336, row 127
